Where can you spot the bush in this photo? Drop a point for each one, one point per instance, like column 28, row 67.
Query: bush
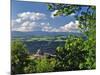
column 45, row 65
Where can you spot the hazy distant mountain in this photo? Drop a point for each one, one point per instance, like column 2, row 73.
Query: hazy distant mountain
column 45, row 46
column 41, row 33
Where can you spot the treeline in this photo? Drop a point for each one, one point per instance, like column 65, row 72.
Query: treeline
column 76, row 54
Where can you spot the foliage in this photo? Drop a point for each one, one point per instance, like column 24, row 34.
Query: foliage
column 71, row 55
column 88, row 27
column 31, row 67
column 45, row 65
column 21, row 63
column 19, row 57
column 78, row 53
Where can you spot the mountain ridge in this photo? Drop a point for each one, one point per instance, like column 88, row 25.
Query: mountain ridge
column 42, row 33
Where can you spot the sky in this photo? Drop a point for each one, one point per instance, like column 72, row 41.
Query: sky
column 35, row 16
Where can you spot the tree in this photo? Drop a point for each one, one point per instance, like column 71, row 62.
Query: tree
column 19, row 57
column 88, row 27
column 31, row 67
column 69, row 55
column 45, row 65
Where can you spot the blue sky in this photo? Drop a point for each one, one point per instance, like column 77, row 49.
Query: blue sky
column 40, row 17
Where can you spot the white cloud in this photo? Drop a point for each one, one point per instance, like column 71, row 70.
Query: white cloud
column 31, row 15
column 47, row 28
column 53, row 13
column 70, row 27
column 28, row 21
column 33, row 21
column 73, row 14
column 18, row 20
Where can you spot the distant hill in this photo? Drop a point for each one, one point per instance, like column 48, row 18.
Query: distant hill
column 41, row 33
column 44, row 46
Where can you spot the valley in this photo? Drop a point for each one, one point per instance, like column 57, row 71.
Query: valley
column 47, row 42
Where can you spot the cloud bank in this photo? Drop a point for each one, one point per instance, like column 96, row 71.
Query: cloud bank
column 34, row 21
column 70, row 27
